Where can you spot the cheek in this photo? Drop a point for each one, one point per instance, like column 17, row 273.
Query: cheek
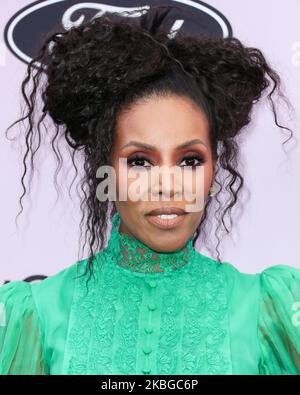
column 201, row 178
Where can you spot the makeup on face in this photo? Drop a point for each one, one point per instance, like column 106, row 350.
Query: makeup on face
column 162, row 132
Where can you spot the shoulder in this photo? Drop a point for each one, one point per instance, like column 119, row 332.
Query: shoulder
column 16, row 288
column 53, row 296
column 236, row 284
column 280, row 287
column 276, row 274
column 276, row 277
column 231, row 274
column 274, row 288
column 280, row 274
column 41, row 296
column 273, row 278
column 15, row 295
column 62, row 281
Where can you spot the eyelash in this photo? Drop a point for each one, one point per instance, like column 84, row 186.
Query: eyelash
column 188, row 157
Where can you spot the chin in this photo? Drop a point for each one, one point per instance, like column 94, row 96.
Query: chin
column 167, row 244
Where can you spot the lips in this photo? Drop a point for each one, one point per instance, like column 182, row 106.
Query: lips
column 167, row 210
column 166, row 223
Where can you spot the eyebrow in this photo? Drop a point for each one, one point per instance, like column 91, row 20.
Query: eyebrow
column 153, row 148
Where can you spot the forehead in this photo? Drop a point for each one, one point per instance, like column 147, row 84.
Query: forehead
column 162, row 121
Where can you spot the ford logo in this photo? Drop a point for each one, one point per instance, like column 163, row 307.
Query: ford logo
column 26, row 30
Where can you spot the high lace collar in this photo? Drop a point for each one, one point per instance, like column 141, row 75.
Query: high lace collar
column 131, row 254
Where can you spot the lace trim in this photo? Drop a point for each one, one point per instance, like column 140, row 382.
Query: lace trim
column 134, row 255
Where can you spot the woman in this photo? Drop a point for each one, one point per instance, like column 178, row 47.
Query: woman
column 152, row 303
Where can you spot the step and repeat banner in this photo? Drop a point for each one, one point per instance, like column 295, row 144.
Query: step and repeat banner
column 45, row 238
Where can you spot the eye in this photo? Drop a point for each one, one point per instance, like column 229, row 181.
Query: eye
column 190, row 160
column 137, row 160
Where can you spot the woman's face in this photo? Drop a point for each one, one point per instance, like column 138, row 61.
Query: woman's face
column 149, row 135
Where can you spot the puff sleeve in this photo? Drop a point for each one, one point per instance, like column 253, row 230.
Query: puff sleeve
column 21, row 346
column 279, row 321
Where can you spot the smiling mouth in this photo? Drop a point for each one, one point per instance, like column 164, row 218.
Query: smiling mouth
column 166, row 221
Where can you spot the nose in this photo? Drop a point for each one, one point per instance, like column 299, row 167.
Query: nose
column 166, row 182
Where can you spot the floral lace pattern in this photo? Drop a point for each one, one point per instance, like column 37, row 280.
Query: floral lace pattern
column 133, row 254
column 171, row 322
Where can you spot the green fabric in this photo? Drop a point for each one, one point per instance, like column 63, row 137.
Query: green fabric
column 146, row 312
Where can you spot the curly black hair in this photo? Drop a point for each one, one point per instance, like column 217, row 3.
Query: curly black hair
column 102, row 67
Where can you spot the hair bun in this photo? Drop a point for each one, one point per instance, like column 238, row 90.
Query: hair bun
column 157, row 19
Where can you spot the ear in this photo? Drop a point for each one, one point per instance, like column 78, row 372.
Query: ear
column 214, row 167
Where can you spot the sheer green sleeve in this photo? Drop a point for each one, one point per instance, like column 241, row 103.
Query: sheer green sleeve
column 21, row 348
column 279, row 321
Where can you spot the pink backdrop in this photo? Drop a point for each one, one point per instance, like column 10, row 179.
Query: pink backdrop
column 268, row 231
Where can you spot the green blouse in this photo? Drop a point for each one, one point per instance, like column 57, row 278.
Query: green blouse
column 145, row 312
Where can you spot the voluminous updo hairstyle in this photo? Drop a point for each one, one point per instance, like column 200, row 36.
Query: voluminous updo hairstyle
column 87, row 75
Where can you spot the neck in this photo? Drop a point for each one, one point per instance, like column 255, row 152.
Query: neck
column 134, row 255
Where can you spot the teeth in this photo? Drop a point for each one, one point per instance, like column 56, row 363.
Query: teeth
column 167, row 216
